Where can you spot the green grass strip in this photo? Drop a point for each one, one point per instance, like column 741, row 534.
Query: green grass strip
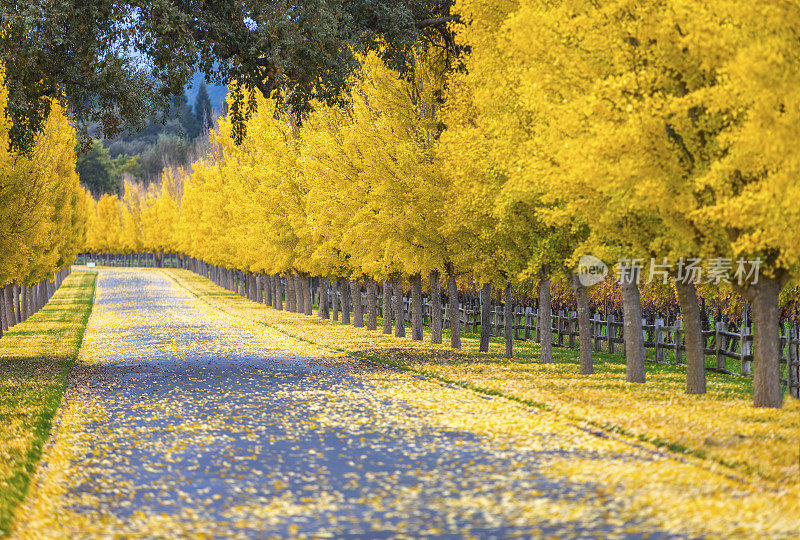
column 36, row 357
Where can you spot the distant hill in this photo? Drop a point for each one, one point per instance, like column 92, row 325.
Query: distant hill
column 215, row 93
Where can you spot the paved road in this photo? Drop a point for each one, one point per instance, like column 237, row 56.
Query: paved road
column 198, row 424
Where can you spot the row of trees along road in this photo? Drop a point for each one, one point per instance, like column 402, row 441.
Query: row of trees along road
column 625, row 130
column 43, row 213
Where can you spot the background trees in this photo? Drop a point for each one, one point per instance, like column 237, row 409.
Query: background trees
column 117, row 63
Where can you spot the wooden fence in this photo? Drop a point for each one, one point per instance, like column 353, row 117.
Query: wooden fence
column 665, row 339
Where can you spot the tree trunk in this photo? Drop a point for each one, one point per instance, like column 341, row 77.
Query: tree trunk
column 584, row 324
column 632, row 324
column 298, row 294
column 387, row 307
column 399, row 307
column 23, row 303
column 5, row 313
column 42, row 285
column 436, row 307
column 308, row 303
column 323, row 310
column 508, row 322
column 17, row 304
column 277, row 292
column 416, row 307
column 13, row 304
column 291, row 296
column 345, row 288
column 455, row 315
column 268, row 286
column 766, row 342
column 335, row 299
column 545, row 316
column 11, row 313
column 358, row 307
column 372, row 305
column 693, row 337
column 486, row 316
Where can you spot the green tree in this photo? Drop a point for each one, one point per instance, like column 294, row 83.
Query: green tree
column 96, row 170
column 202, row 109
column 125, row 165
column 184, row 114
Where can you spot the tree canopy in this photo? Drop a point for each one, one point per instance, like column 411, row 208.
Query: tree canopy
column 116, row 63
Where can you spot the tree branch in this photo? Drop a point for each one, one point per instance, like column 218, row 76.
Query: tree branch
column 436, row 21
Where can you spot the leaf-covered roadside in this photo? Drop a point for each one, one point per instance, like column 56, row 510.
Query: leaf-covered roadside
column 721, row 426
column 35, row 359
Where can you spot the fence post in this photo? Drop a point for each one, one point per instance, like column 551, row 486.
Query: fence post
column 793, row 363
column 658, row 339
column 678, row 341
column 745, row 346
column 528, row 322
column 784, row 339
